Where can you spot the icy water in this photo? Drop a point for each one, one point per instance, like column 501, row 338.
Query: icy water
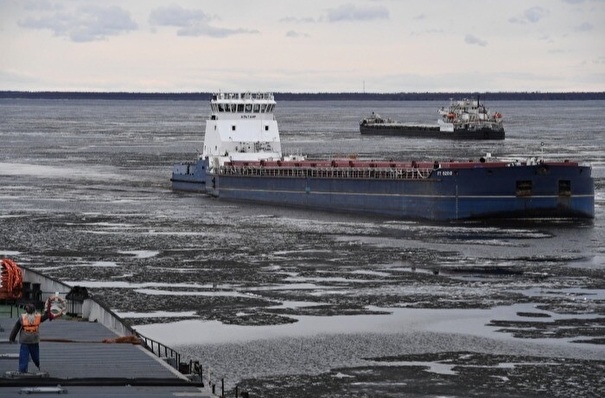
column 293, row 303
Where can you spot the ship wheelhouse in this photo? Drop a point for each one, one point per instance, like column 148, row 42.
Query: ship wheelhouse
column 241, row 126
column 246, row 103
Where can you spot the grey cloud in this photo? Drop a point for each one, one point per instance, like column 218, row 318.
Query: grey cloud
column 191, row 22
column 43, row 5
column 350, row 12
column 297, row 20
column 535, row 14
column 585, row 27
column 531, row 15
column 175, row 15
column 89, row 23
column 470, row 39
column 294, row 34
column 546, row 38
column 207, row 30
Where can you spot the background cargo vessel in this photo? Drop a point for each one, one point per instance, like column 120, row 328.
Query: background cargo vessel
column 242, row 160
column 465, row 119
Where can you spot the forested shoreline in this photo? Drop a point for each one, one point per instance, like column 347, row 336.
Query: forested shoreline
column 286, row 96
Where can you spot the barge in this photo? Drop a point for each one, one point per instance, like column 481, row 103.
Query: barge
column 242, row 161
column 465, row 119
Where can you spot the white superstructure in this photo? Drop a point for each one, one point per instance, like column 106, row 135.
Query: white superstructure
column 241, row 127
column 468, row 114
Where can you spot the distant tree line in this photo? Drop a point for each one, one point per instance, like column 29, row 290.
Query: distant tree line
column 444, row 96
column 202, row 96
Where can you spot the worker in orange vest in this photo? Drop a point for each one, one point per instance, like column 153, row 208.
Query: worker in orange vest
column 29, row 325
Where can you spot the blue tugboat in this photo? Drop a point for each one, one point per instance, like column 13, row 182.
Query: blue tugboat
column 242, row 160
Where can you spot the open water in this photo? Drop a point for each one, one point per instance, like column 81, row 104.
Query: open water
column 278, row 299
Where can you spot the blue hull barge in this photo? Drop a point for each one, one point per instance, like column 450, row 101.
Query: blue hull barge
column 242, row 161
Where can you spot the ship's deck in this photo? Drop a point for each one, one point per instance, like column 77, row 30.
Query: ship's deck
column 79, row 363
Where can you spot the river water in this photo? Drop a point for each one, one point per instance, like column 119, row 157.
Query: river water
column 288, row 302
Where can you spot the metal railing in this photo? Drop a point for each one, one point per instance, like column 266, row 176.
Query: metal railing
column 329, row 172
column 172, row 356
column 193, row 368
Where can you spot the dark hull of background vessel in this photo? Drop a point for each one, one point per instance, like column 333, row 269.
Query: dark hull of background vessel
column 431, row 132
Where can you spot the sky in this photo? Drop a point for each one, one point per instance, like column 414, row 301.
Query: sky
column 375, row 46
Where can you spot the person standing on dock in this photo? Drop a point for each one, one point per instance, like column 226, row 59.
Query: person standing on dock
column 28, row 327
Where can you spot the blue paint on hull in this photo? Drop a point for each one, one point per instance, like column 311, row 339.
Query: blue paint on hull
column 448, row 194
column 190, row 177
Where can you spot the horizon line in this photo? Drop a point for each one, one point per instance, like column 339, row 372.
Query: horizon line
column 301, row 92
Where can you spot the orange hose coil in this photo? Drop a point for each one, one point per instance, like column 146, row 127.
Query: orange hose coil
column 12, row 280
